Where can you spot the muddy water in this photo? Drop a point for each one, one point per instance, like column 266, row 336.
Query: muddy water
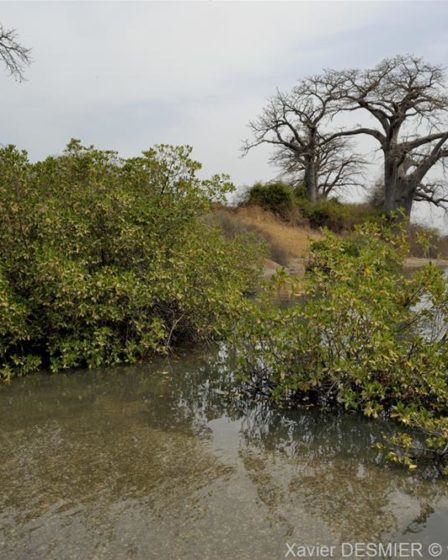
column 159, row 462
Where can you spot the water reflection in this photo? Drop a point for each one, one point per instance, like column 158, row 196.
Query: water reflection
column 160, row 461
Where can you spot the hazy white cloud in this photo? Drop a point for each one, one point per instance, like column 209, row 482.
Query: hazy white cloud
column 127, row 75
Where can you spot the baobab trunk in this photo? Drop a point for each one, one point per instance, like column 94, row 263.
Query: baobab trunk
column 311, row 181
column 398, row 197
column 390, row 184
column 404, row 201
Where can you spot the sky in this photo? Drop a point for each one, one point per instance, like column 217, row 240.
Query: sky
column 128, row 75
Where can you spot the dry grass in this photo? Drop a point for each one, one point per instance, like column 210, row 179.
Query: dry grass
column 289, row 245
column 290, row 240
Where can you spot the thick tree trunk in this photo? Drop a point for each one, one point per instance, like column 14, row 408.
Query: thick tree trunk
column 398, row 194
column 390, row 184
column 407, row 205
column 403, row 202
column 311, row 166
column 398, row 198
column 311, row 181
column 399, row 201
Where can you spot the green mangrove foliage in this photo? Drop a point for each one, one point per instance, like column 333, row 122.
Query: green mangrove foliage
column 106, row 260
column 363, row 336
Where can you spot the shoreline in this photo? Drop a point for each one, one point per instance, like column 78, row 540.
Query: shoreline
column 296, row 266
column 417, row 262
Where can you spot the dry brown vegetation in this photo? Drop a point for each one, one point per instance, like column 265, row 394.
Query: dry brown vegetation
column 286, row 242
column 289, row 243
column 294, row 240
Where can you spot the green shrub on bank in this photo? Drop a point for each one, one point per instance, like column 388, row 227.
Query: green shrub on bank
column 336, row 216
column 276, row 197
column 364, row 337
column 291, row 205
column 106, row 260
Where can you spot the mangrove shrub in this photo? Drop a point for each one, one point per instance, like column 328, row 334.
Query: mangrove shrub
column 106, row 260
column 362, row 336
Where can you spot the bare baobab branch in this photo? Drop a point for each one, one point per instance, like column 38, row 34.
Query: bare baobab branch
column 407, row 97
column 15, row 57
column 293, row 123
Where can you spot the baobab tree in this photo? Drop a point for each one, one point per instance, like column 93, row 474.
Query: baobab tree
column 14, row 56
column 293, row 123
column 407, row 99
column 338, row 168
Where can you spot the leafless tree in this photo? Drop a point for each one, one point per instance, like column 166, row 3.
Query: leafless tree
column 294, row 124
column 15, row 57
column 338, row 167
column 407, row 98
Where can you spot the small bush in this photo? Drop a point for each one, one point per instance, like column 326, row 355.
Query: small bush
column 336, row 216
column 277, row 198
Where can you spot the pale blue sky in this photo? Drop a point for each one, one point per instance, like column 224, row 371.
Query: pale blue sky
column 127, row 75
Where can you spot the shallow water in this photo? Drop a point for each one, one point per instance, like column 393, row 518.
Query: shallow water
column 159, row 462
